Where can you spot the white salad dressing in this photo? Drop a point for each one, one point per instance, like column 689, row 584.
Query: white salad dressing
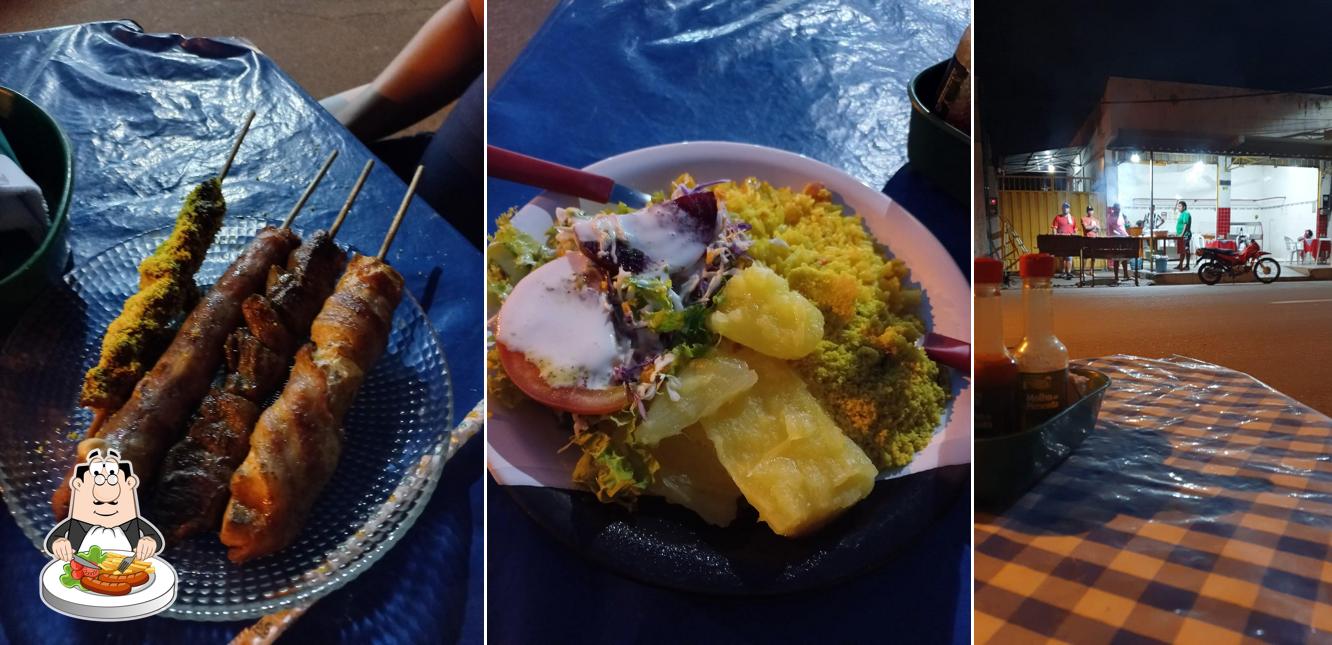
column 562, row 325
column 667, row 236
column 663, row 232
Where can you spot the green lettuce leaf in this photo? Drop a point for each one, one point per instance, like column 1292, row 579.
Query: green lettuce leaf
column 512, row 254
column 611, row 466
column 650, row 292
column 68, row 579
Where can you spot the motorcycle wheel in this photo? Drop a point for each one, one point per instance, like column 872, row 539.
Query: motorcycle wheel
column 1210, row 272
column 1267, row 270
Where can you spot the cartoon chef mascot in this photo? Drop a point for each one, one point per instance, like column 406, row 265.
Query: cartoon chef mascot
column 104, row 512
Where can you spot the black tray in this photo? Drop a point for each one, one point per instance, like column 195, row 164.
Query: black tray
column 668, row 546
column 1008, row 465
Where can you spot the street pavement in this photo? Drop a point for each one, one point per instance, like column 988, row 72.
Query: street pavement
column 1279, row 333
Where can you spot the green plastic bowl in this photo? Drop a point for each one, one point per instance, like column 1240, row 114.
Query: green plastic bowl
column 45, row 155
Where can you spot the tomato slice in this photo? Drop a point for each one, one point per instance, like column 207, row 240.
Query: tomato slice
column 578, row 400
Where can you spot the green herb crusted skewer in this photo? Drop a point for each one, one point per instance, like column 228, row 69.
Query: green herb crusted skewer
column 147, row 323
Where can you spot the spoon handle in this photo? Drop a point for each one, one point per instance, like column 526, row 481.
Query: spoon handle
column 950, row 351
column 520, row 168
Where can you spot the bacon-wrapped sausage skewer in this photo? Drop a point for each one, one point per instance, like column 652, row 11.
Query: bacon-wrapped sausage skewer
column 196, row 474
column 297, row 441
column 162, row 402
column 146, row 324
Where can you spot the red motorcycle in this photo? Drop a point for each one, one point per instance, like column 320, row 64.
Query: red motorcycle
column 1218, row 263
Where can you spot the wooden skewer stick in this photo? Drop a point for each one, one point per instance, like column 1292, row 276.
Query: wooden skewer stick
column 309, row 189
column 356, row 190
column 397, row 219
column 226, row 168
column 100, row 415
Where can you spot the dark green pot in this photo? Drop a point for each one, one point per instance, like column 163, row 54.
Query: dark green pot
column 45, row 155
column 936, row 149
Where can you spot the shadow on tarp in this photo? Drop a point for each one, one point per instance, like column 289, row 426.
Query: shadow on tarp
column 948, row 219
column 1123, row 471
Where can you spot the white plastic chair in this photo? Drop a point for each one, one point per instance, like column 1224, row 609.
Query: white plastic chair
column 1294, row 250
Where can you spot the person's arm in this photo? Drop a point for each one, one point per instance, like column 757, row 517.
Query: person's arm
column 61, row 530
column 147, row 530
column 58, row 542
column 429, row 73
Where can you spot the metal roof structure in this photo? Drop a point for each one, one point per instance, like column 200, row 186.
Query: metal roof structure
column 1230, row 145
column 1058, row 161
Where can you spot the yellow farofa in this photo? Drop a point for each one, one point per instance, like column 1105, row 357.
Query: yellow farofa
column 881, row 389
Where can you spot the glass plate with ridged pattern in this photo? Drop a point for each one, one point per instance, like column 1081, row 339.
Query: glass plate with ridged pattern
column 397, row 436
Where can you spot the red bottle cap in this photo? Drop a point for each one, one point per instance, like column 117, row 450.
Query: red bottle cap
column 987, row 271
column 1037, row 265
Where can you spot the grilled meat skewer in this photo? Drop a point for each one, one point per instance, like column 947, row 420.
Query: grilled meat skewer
column 196, row 473
column 154, row 416
column 296, row 444
column 147, row 322
column 164, row 398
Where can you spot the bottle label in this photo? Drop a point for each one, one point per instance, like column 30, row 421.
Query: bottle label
column 996, row 410
column 1044, row 394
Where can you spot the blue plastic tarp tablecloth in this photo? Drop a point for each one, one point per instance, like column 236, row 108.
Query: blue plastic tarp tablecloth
column 826, row 79
column 149, row 115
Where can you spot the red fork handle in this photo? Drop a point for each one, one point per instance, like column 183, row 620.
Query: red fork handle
column 949, row 351
column 530, row 171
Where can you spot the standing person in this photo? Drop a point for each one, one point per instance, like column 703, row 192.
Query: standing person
column 1184, row 230
column 1064, row 224
column 1116, row 225
column 1090, row 228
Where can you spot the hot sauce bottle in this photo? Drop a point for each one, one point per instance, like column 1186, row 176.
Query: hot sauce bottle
column 1041, row 359
column 995, row 381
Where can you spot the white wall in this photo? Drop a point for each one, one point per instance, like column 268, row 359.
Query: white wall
column 1282, row 198
column 1193, row 183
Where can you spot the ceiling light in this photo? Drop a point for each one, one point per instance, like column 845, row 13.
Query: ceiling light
column 1136, row 157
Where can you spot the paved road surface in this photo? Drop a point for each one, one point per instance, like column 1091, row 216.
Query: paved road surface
column 1279, row 333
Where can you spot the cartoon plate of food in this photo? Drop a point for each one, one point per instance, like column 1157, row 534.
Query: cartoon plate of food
column 108, row 585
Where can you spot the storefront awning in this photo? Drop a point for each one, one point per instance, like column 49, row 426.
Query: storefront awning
column 1231, row 145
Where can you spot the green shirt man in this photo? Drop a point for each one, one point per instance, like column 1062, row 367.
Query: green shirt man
column 1183, row 229
column 1184, row 225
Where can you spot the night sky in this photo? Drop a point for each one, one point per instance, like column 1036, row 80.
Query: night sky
column 1041, row 65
